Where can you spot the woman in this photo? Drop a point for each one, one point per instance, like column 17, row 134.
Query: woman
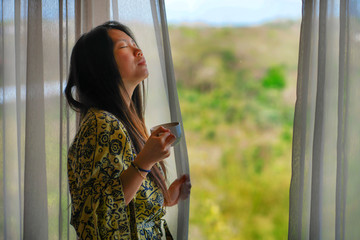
column 116, row 170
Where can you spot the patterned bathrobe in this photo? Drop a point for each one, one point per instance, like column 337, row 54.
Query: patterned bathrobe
column 101, row 150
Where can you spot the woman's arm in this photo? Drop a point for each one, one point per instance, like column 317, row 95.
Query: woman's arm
column 155, row 149
column 131, row 181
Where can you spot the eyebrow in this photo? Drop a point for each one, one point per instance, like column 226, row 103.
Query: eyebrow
column 124, row 40
column 121, row 40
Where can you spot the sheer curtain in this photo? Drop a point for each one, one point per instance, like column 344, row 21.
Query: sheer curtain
column 325, row 181
column 36, row 39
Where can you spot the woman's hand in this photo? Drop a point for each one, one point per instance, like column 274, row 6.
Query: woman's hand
column 156, row 148
column 179, row 190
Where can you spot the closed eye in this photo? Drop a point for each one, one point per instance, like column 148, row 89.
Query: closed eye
column 122, row 44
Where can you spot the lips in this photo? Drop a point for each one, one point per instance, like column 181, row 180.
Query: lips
column 142, row 61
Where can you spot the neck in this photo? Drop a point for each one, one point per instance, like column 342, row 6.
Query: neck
column 127, row 96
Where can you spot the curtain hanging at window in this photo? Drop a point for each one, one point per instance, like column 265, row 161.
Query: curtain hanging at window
column 37, row 126
column 324, row 189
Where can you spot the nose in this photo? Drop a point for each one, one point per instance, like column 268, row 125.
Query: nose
column 139, row 53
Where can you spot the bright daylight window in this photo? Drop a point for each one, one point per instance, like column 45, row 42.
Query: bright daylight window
column 236, row 70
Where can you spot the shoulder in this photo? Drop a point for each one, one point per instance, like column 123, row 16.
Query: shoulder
column 100, row 126
column 110, row 130
column 103, row 132
column 104, row 121
column 101, row 116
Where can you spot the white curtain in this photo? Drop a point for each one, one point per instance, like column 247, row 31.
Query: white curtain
column 325, row 192
column 37, row 126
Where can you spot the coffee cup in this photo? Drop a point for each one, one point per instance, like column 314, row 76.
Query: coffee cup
column 174, row 128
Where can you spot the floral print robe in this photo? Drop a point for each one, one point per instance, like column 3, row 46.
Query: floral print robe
column 100, row 152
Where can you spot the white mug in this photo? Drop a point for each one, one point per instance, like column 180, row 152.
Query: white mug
column 174, row 128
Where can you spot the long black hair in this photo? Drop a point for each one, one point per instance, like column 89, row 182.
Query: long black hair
column 94, row 79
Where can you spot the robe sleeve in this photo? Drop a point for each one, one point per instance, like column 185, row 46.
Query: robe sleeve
column 103, row 150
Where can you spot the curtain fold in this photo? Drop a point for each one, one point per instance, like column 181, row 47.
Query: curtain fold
column 35, row 184
column 37, row 126
column 182, row 163
column 326, row 146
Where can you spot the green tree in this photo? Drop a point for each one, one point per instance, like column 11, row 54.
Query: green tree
column 274, row 78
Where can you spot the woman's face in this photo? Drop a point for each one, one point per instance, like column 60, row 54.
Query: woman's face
column 129, row 59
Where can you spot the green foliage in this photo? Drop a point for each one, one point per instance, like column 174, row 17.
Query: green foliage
column 274, row 78
column 238, row 124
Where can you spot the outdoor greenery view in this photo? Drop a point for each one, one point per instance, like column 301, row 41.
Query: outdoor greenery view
column 236, row 89
column 237, row 93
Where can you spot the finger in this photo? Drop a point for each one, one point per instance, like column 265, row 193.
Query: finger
column 183, row 178
column 187, row 177
column 187, row 186
column 185, row 191
column 159, row 130
column 170, row 139
column 180, row 184
column 185, row 196
column 188, row 183
column 163, row 136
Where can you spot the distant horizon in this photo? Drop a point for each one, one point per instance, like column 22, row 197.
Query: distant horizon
column 236, row 13
column 224, row 24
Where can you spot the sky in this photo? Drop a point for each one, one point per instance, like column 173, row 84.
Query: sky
column 231, row 12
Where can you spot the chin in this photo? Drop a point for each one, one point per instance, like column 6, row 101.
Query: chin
column 146, row 75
